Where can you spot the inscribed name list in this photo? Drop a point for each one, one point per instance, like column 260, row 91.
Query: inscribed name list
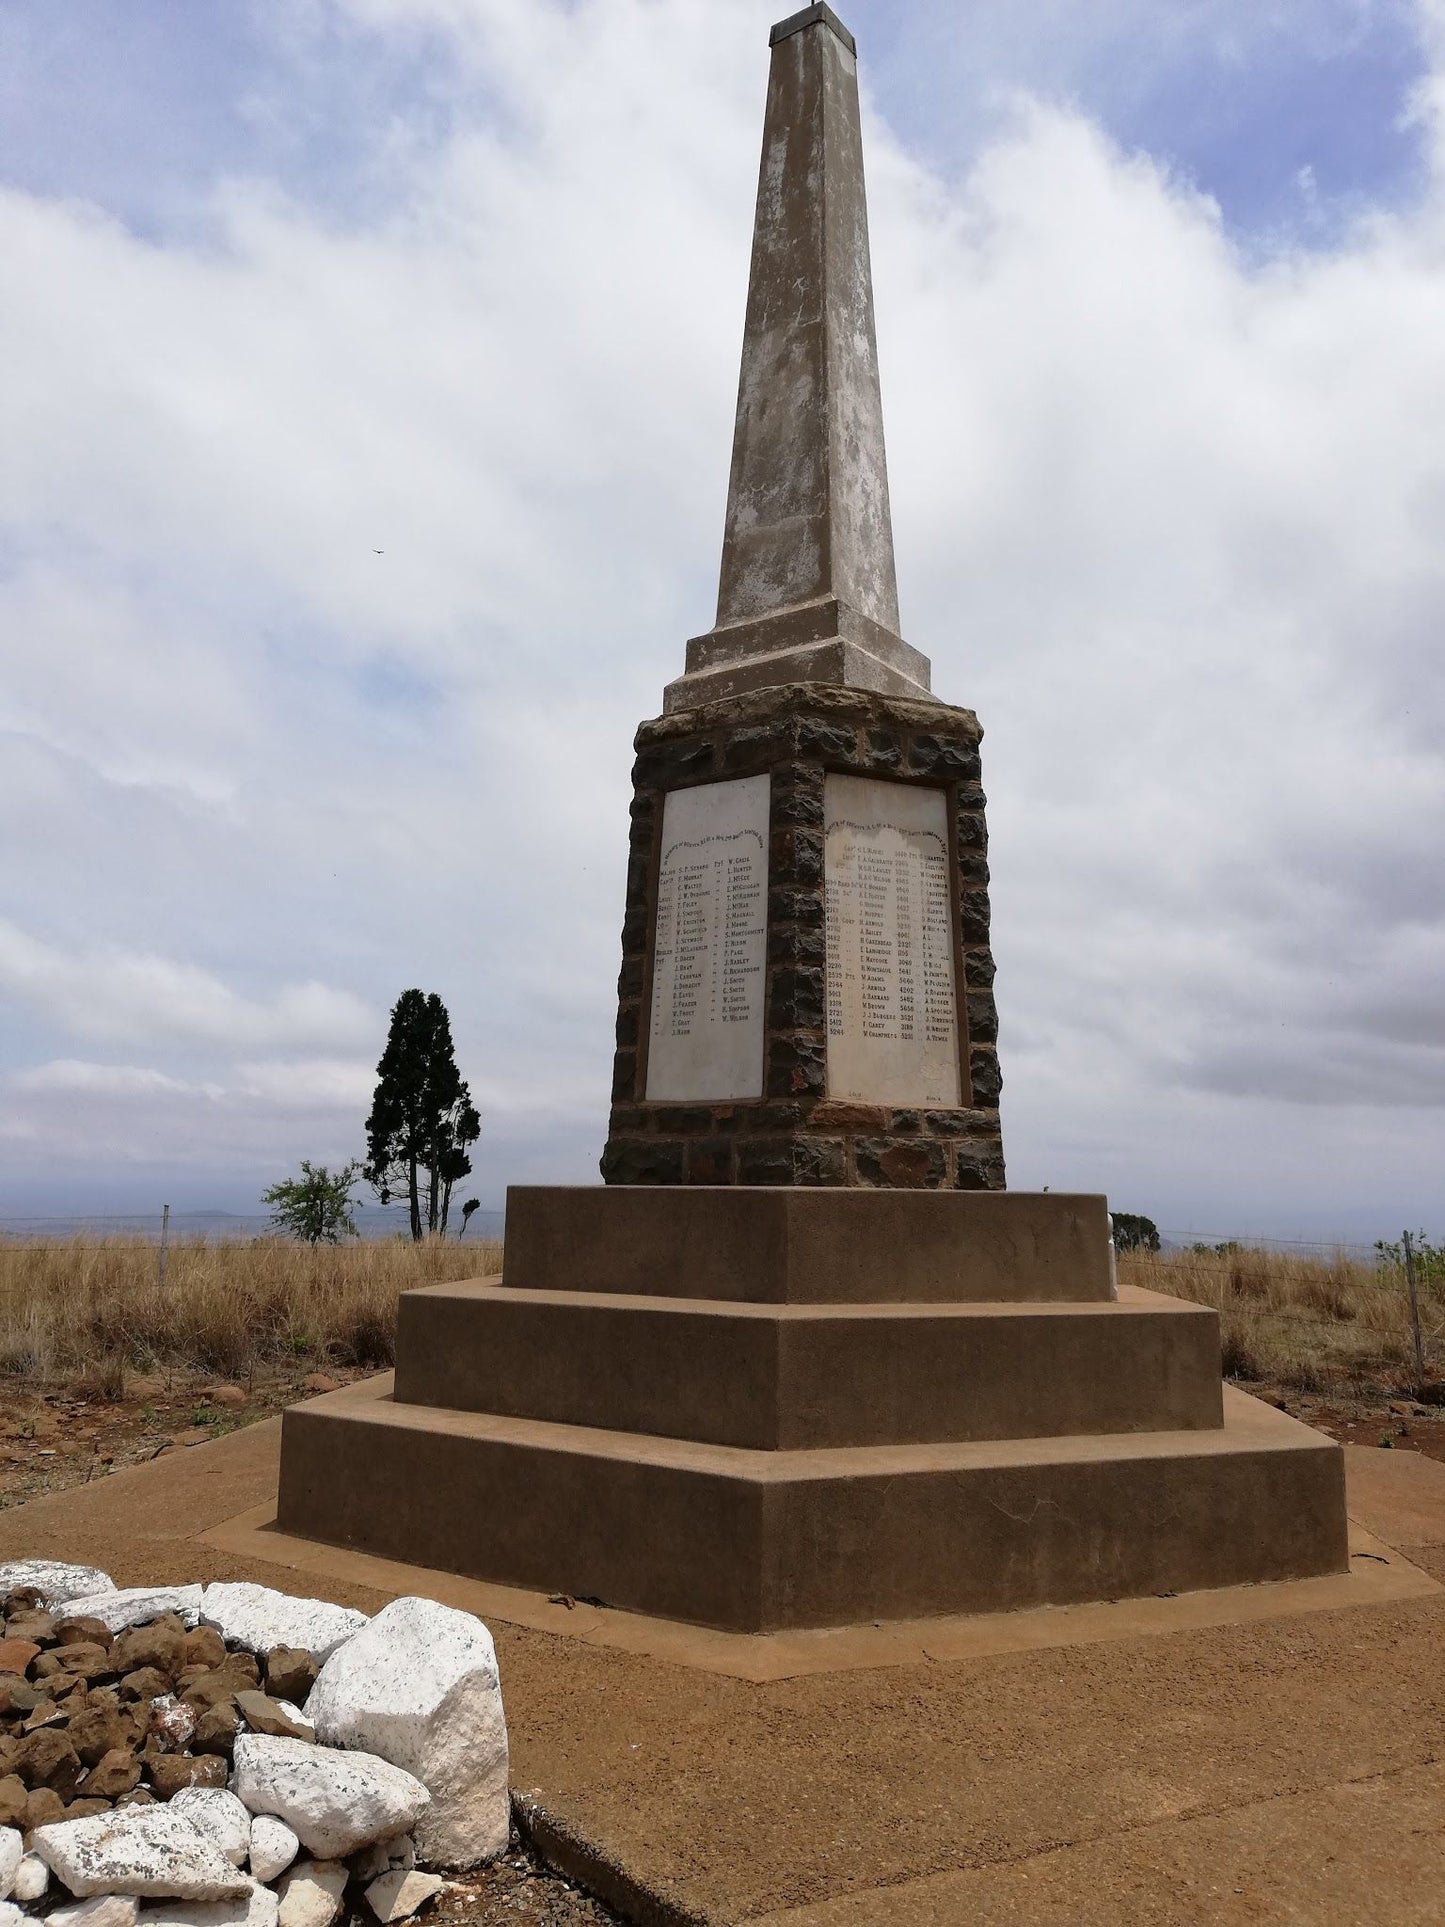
column 892, row 999
column 710, row 943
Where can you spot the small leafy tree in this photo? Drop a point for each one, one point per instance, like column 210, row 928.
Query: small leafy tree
column 422, row 1117
column 316, row 1207
column 1133, row 1233
column 471, row 1205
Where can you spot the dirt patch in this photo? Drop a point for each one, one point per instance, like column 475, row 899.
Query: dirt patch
column 520, row 1891
column 1397, row 1424
column 53, row 1438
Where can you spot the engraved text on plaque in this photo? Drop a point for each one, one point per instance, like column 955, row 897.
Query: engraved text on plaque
column 892, row 1000
column 705, row 1039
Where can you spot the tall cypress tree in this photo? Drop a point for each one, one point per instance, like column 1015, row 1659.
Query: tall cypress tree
column 422, row 1117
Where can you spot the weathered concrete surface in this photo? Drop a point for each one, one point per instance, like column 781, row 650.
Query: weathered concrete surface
column 1144, row 1779
column 807, row 589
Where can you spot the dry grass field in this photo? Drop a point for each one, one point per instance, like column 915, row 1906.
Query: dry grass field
column 1304, row 1324
column 88, row 1313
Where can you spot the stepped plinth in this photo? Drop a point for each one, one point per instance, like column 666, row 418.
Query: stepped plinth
column 803, row 1361
column 763, row 1409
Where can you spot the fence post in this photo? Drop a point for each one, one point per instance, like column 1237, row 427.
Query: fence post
column 165, row 1227
column 1414, row 1306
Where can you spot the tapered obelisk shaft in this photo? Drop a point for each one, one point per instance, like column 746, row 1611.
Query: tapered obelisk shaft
column 807, row 590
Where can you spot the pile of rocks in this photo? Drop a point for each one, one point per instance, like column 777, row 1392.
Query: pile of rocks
column 237, row 1757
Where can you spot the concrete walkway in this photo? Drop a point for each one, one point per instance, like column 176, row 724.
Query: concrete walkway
column 1285, row 1768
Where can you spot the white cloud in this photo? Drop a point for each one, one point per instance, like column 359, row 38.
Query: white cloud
column 109, row 992
column 1168, row 517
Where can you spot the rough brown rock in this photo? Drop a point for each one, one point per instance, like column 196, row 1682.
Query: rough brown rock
column 205, row 1647
column 86, row 1808
column 42, row 1806
column 16, row 1654
column 85, row 1660
column 216, row 1730
column 117, row 1772
column 290, row 1673
column 146, row 1683
column 266, row 1715
column 86, row 1630
column 17, row 1695
column 99, row 1730
column 12, row 1800
column 169, row 1772
column 49, row 1760
column 161, row 1645
column 22, row 1599
column 35, row 1625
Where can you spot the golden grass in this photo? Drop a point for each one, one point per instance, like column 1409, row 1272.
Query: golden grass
column 93, row 1310
column 1311, row 1324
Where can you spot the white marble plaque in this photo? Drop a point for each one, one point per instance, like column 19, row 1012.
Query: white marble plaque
column 892, row 999
column 709, row 952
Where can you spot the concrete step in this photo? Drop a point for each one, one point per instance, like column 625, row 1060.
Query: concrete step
column 783, row 1244
column 756, row 1541
column 781, row 1376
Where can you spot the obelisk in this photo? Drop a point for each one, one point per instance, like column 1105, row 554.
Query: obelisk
column 806, row 987
column 802, row 1361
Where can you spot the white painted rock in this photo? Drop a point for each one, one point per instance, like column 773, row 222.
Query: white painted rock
column 110, row 1910
column 259, row 1909
column 138, row 1850
column 333, row 1802
column 419, row 1687
column 258, row 1619
column 221, row 1815
column 311, row 1893
column 386, row 1856
column 273, row 1846
column 32, row 1877
column 397, row 1896
column 59, row 1583
column 12, row 1852
column 11, row 1915
column 135, row 1605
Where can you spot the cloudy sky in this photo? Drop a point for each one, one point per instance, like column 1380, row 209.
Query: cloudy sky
column 285, row 283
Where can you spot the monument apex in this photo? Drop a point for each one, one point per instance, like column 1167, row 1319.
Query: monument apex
column 807, row 590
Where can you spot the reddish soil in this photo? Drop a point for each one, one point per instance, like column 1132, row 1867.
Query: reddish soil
column 1399, row 1424
column 54, row 1437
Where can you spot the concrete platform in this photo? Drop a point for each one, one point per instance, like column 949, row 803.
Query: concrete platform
column 756, row 1541
column 778, row 1377
column 1267, row 1754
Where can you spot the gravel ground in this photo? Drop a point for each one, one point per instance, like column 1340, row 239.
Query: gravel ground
column 517, row 1890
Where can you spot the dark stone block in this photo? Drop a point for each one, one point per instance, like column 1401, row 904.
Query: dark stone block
column 624, row 1075
column 971, row 830
column 710, row 1161
column 978, row 969
column 796, row 1067
column 634, row 931
column 797, row 805
column 979, row 1168
column 956, row 1124
column 904, row 1124
column 945, row 757
column 819, row 1160
column 639, row 865
column 906, row 1164
column 630, row 1120
column 685, row 1120
column 789, row 905
column 882, row 751
column 822, row 740
column 973, row 909
column 796, row 999
column 986, row 1077
column 765, row 1161
column 972, row 869
column 627, row 1027
column 982, row 1017
column 638, row 1161
column 807, row 857
column 629, row 978
column 748, row 752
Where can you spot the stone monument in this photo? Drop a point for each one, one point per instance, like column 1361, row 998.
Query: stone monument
column 802, row 1360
